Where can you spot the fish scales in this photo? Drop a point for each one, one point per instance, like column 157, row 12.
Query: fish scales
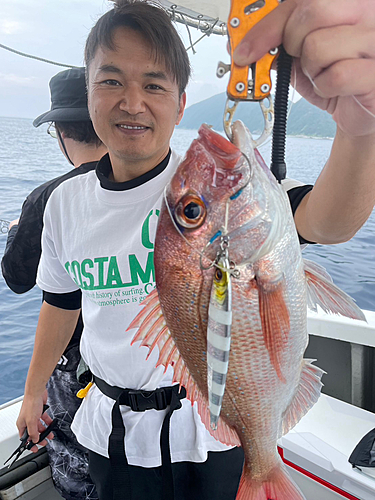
column 269, row 386
column 264, row 383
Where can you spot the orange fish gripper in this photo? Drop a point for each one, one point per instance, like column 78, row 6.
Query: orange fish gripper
column 248, row 83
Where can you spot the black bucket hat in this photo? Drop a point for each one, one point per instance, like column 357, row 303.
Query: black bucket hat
column 68, row 98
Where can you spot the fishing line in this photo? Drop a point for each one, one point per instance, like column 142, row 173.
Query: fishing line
column 291, row 101
column 198, row 252
column 363, row 107
column 212, row 263
column 195, row 43
column 353, row 96
column 221, row 232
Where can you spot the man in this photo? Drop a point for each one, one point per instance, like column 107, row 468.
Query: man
column 137, row 71
column 71, row 125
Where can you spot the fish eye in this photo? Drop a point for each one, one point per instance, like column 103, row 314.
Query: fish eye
column 190, row 211
column 218, row 274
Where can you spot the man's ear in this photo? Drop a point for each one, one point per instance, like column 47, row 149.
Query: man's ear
column 181, row 108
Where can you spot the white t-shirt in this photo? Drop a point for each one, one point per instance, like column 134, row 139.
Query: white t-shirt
column 101, row 241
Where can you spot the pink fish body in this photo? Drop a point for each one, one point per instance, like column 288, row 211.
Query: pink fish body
column 224, row 190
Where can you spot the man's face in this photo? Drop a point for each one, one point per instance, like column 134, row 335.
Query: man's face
column 133, row 102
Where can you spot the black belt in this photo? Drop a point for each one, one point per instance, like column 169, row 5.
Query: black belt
column 159, row 399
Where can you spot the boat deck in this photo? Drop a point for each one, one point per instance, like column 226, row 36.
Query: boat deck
column 316, row 451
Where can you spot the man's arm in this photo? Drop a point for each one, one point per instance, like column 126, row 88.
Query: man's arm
column 334, row 69
column 23, row 248
column 54, row 330
column 344, row 194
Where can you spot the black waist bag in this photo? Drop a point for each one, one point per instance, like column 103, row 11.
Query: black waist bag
column 363, row 454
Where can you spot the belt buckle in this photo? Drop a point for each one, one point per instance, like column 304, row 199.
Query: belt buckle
column 161, row 399
column 147, row 400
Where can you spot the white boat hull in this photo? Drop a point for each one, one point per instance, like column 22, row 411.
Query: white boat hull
column 316, row 451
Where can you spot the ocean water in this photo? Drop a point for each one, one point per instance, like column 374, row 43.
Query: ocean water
column 29, row 157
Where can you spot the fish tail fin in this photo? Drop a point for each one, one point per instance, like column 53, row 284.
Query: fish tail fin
column 278, row 486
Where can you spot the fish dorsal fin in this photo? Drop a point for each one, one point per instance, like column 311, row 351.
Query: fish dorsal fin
column 274, row 317
column 322, row 292
column 152, row 332
column 307, row 394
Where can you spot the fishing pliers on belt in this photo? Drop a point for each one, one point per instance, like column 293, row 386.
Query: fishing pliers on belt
column 26, row 444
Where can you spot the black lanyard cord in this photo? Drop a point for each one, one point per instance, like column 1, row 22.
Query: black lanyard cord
column 284, row 69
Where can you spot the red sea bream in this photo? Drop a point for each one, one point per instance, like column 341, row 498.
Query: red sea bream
column 226, row 227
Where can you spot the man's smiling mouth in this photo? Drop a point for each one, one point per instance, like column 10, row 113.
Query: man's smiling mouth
column 133, row 127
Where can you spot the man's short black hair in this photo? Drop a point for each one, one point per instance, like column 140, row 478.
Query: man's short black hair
column 80, row 132
column 154, row 24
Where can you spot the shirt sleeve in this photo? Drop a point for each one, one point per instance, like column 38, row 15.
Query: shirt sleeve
column 52, row 275
column 68, row 301
column 22, row 253
column 296, row 191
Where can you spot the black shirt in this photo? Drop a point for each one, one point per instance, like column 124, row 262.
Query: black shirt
column 20, row 262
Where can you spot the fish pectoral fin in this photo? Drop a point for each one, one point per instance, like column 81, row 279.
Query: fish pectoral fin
column 322, row 292
column 152, row 332
column 274, row 316
column 223, row 433
column 150, row 310
column 152, row 329
column 307, row 394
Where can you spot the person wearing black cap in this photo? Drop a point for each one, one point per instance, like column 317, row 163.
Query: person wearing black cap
column 69, row 122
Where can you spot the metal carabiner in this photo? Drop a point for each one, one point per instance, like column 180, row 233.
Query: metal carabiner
column 268, row 116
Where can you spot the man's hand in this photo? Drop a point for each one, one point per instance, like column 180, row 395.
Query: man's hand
column 54, row 330
column 333, row 43
column 13, row 223
column 32, row 417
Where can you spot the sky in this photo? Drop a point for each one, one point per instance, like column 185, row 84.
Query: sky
column 57, row 30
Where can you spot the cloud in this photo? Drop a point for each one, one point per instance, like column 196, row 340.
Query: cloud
column 8, row 27
column 12, row 79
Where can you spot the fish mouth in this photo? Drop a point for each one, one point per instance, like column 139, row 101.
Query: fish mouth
column 228, row 157
column 226, row 154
